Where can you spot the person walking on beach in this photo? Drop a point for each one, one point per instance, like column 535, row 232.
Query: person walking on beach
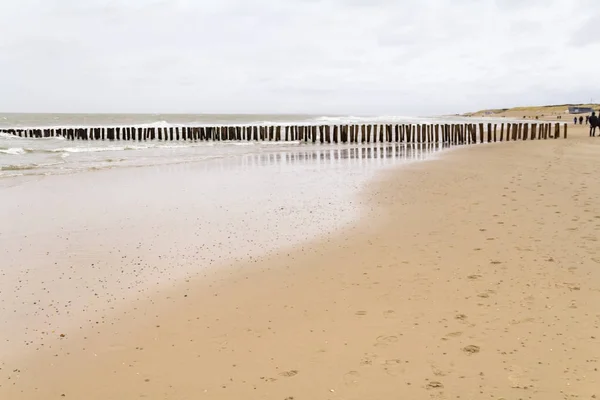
column 575, row 120
column 580, row 120
column 594, row 122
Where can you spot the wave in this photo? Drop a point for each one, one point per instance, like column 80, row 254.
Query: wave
column 15, row 151
column 368, row 119
column 316, row 120
column 23, row 167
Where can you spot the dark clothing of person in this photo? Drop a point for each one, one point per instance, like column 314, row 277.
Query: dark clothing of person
column 594, row 123
column 580, row 120
column 575, row 120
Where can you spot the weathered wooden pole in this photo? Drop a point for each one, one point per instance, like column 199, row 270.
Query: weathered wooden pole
column 557, row 130
column 565, row 131
column 525, row 131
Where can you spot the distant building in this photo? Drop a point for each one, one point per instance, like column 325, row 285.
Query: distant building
column 580, row 110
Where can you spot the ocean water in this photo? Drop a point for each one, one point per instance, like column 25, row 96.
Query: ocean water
column 49, row 156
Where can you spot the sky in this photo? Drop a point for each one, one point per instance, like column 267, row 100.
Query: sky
column 357, row 57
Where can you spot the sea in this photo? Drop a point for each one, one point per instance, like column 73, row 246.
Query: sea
column 50, row 156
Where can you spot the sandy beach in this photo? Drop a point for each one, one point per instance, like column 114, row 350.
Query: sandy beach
column 471, row 275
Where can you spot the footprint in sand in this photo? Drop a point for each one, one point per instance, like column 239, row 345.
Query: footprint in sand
column 351, row 378
column 474, row 277
column 471, row 349
column 360, row 313
column 393, row 367
column 437, row 371
column 383, row 341
column 434, row 385
column 289, row 374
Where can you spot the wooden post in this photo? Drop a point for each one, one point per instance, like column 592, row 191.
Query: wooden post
column 556, row 130
column 565, row 130
column 525, row 131
column 533, row 131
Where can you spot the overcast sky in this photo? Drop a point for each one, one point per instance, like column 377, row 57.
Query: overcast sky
column 392, row 57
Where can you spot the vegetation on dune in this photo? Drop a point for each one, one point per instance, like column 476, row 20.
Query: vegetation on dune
column 554, row 108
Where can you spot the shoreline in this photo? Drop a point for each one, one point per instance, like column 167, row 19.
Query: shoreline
column 470, row 275
column 101, row 239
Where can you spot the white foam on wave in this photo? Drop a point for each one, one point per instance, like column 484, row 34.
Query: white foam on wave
column 13, row 151
column 367, row 119
column 85, row 149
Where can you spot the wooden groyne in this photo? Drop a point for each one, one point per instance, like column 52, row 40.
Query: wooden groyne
column 454, row 134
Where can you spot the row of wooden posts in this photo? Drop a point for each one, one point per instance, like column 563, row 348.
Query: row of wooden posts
column 366, row 133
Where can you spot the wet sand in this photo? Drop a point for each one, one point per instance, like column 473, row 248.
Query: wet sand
column 474, row 275
column 78, row 247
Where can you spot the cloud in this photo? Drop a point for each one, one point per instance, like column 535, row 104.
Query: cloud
column 306, row 56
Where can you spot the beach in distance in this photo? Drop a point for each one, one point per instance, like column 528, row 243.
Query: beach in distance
column 293, row 270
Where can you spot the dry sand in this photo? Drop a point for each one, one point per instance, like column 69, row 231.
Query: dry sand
column 472, row 276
